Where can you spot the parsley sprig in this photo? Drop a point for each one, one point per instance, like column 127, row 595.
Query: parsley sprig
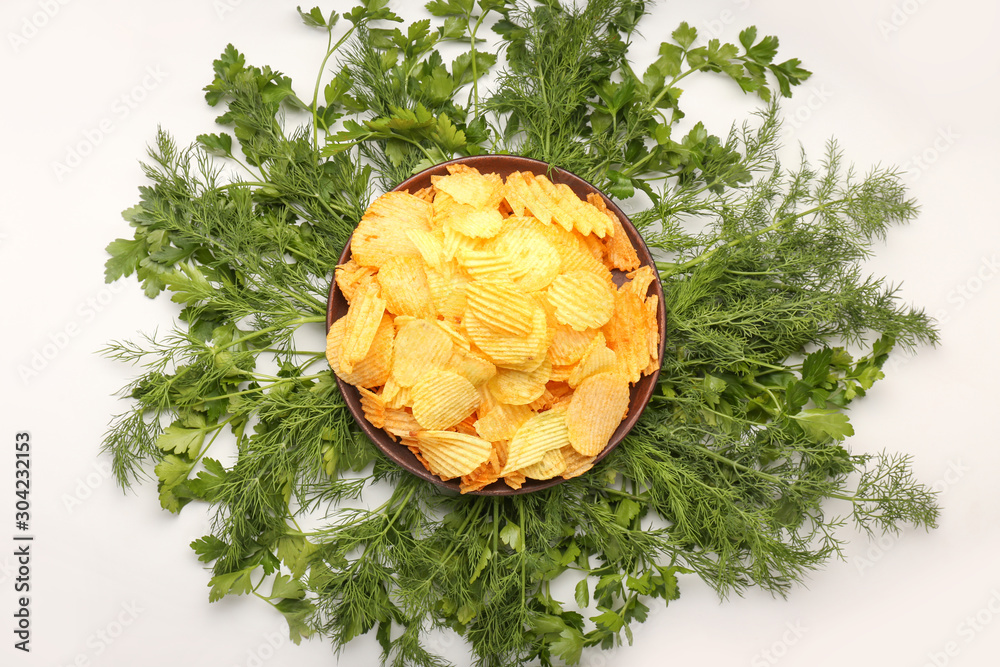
column 774, row 328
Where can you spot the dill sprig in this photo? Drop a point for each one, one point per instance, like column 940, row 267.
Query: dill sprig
column 773, row 329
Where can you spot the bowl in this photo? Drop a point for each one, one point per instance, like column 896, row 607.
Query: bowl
column 641, row 391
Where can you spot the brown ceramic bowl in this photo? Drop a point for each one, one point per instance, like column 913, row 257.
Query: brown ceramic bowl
column 640, row 392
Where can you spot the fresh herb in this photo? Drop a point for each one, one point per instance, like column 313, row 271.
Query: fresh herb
column 728, row 473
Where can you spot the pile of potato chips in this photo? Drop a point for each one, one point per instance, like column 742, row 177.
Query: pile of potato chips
column 484, row 330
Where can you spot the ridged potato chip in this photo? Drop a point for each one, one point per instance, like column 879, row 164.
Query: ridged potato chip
column 581, row 300
column 551, row 465
column 597, row 408
column 517, row 352
column 381, row 233
column 540, row 434
column 576, row 463
column 502, row 421
column 441, row 399
column 421, row 345
column 404, row 287
column 373, row 370
column 597, row 359
column 501, row 306
column 449, row 454
column 360, row 324
column 373, row 406
column 520, row 387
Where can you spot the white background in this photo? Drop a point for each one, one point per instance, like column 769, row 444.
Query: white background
column 905, row 82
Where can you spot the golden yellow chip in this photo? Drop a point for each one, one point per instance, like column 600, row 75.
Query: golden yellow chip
column 421, row 345
column 502, row 421
column 447, row 292
column 569, row 345
column 350, row 276
column 373, row 370
column 627, row 334
column 483, row 191
column 531, row 260
column 476, row 222
column 430, row 245
column 540, row 434
column 394, row 395
column 400, row 423
column 581, row 300
column 597, row 408
column 404, row 287
column 381, row 233
column 360, row 324
column 618, row 249
column 551, row 465
column 523, row 353
column 470, row 365
column 373, row 406
column 576, row 463
column 597, row 359
column 520, row 387
column 449, row 454
column 441, row 399
column 499, row 305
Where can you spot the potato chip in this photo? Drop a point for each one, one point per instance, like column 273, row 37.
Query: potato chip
column 404, row 287
column 373, row 406
column 540, row 434
column 401, row 423
column 618, row 249
column 360, row 324
column 517, row 352
column 349, row 276
column 470, row 365
column 441, row 399
column 476, row 222
column 576, row 463
column 551, row 465
column 394, row 395
column 449, row 454
column 569, row 345
column 421, row 345
column 515, row 479
column 373, row 370
column 502, row 421
column 520, row 387
column 481, row 191
column 597, row 408
column 447, row 292
column 626, row 334
column 487, row 473
column 581, row 300
column 381, row 233
column 532, row 261
column 430, row 245
column 597, row 359
column 499, row 305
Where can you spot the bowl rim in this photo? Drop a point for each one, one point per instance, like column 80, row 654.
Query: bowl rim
column 400, row 454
